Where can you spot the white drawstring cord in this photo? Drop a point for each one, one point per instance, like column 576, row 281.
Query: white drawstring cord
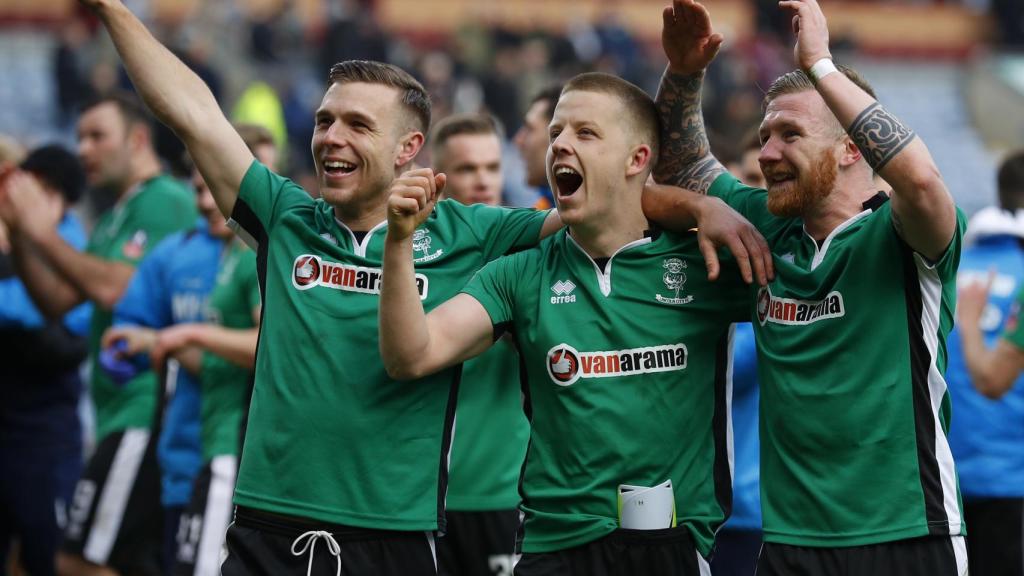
column 310, row 539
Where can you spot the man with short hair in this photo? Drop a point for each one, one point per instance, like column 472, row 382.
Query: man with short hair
column 110, row 521
column 467, row 149
column 624, row 344
column 856, row 471
column 488, row 450
column 532, row 141
column 336, row 450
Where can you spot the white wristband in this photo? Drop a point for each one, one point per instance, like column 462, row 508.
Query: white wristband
column 822, row 68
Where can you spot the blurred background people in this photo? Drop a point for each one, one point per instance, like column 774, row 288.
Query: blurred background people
column 986, row 357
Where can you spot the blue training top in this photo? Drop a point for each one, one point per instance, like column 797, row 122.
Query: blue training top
column 172, row 286
column 746, row 503
column 987, row 436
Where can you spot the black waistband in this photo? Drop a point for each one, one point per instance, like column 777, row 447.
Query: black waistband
column 295, row 526
column 628, row 536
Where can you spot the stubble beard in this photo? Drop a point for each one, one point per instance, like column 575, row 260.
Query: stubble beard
column 808, row 190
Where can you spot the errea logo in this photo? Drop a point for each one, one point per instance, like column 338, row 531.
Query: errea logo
column 309, row 271
column 563, row 292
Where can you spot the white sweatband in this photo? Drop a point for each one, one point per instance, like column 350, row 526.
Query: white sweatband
column 822, row 68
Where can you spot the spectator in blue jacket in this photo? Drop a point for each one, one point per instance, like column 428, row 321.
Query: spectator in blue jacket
column 40, row 387
column 987, row 431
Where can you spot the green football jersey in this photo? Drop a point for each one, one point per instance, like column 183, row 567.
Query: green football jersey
column 1014, row 332
column 851, row 340
column 158, row 207
column 330, row 435
column 490, row 433
column 224, row 385
column 628, row 381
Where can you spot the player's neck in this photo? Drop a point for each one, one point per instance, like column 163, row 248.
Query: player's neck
column 363, row 217
column 841, row 205
column 602, row 235
column 143, row 167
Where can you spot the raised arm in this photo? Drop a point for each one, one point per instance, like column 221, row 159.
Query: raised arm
column 690, row 45
column 993, row 370
column 412, row 343
column 922, row 209
column 179, row 99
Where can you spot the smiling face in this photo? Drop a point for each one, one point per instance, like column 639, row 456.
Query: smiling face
column 593, row 155
column 362, row 137
column 801, row 142
column 472, row 163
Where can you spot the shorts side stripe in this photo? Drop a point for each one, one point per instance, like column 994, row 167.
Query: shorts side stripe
column 960, row 553
column 433, row 547
column 116, row 491
column 702, row 564
column 217, row 515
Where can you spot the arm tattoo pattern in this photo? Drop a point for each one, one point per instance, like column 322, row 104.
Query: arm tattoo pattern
column 685, row 159
column 879, row 135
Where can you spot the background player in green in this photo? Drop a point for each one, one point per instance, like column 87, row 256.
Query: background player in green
column 115, row 146
column 491, row 429
column 219, row 349
column 857, row 475
column 624, row 342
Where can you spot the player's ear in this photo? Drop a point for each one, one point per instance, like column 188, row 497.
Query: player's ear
column 408, row 147
column 639, row 160
column 139, row 135
column 850, row 154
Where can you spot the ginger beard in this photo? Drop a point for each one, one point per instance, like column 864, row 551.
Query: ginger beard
column 799, row 197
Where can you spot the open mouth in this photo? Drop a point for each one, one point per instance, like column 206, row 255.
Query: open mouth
column 777, row 178
column 567, row 180
column 338, row 167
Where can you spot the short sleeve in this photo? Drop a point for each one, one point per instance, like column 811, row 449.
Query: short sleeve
column 947, row 264
column 502, row 230
column 494, row 286
column 144, row 301
column 263, row 195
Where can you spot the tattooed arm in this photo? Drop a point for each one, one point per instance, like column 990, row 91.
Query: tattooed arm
column 923, row 211
column 690, row 45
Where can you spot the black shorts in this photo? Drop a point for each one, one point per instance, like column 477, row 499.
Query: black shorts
column 200, row 538
column 261, row 543
column 622, row 553
column 926, row 556
column 115, row 518
column 996, row 536
column 478, row 543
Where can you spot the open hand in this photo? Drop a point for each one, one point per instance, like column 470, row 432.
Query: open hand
column 811, row 32
column 687, row 37
column 720, row 225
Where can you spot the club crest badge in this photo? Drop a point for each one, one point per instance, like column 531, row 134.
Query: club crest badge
column 674, row 278
column 421, row 241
